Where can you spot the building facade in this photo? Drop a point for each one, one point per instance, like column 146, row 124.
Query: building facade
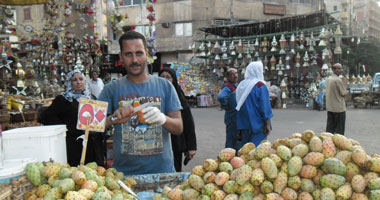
column 178, row 21
column 360, row 17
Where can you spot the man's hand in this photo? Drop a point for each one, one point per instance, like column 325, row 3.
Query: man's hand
column 267, row 127
column 153, row 115
column 120, row 116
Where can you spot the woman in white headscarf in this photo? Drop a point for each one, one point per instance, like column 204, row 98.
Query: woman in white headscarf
column 64, row 110
column 253, row 106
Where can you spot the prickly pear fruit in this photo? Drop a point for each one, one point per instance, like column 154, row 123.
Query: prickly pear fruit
column 247, row 147
column 269, row 168
column 289, row 194
column 263, row 150
column 314, row 158
column 307, row 185
column 284, row 152
column 196, row 182
column 344, row 156
column 175, row 194
column 210, row 165
column 230, row 187
column 358, row 183
column 33, row 174
column 71, row 195
column 280, row 182
column 333, row 181
column 300, row 150
column 257, row 177
column 359, row 157
column 210, row 188
column 328, row 148
column 78, row 177
column 237, row 162
column 344, row 192
column 335, row 166
column 102, row 196
column 342, row 142
column 315, row 144
column 308, row 171
column 294, row 165
column 243, row 174
column 226, row 154
column 218, row 195
column 198, row 170
column 221, row 178
column 266, row 187
column 209, row 177
column 327, row 194
column 226, row 167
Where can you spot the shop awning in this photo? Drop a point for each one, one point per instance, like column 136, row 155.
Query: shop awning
column 22, row 2
column 286, row 24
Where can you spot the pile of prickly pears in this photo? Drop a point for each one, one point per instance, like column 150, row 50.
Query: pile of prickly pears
column 304, row 166
column 60, row 181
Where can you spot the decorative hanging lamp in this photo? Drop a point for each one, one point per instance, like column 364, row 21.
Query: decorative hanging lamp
column 274, row 44
column 292, row 44
column 338, row 39
column 282, row 44
column 306, row 60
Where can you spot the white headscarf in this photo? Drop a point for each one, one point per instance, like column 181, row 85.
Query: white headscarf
column 70, row 93
column 253, row 74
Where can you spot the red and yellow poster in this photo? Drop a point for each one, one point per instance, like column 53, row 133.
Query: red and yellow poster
column 95, row 111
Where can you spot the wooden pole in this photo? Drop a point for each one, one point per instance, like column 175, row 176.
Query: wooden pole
column 87, row 131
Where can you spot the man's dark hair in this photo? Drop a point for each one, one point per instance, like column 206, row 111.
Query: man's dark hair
column 132, row 35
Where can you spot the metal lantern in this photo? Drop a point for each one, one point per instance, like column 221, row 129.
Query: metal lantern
column 338, row 39
column 264, row 44
column 298, row 60
column 302, row 41
column 273, row 61
column 292, row 44
column 282, row 44
column 306, row 60
column 274, row 44
column 224, row 47
column 323, row 37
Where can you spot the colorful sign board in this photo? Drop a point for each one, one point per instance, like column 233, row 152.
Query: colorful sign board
column 95, row 112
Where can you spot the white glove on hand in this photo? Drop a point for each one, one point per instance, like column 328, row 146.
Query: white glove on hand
column 153, row 115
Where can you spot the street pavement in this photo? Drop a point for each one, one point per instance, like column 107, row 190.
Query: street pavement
column 362, row 125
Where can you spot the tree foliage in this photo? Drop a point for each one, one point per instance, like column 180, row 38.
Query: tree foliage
column 366, row 53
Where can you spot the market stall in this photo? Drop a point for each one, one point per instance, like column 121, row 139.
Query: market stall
column 293, row 50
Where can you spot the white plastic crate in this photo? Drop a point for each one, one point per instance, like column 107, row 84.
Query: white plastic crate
column 40, row 143
column 13, row 168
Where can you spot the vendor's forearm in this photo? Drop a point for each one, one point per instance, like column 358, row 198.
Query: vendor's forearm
column 174, row 125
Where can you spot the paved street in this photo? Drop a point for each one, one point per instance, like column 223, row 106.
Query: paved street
column 362, row 125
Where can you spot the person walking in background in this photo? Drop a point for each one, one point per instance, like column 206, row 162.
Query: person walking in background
column 335, row 101
column 253, row 106
column 186, row 142
column 96, row 84
column 141, row 141
column 107, row 78
column 227, row 100
column 64, row 110
column 320, row 99
column 119, row 75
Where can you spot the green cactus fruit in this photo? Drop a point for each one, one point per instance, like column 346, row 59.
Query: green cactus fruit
column 359, row 157
column 230, row 187
column 254, row 164
column 333, row 181
column 280, row 182
column 294, row 165
column 92, row 165
column 86, row 193
column 374, row 184
column 269, row 168
column 374, row 195
column 117, row 196
column 33, row 174
column 358, row 183
column 307, row 135
column 196, row 182
column 284, row 167
column 294, row 182
column 190, row 194
column 198, row 170
column 327, row 194
column 247, row 147
column 226, row 154
column 263, row 150
column 209, row 189
column 102, row 196
column 111, row 184
column 42, row 190
column 316, row 194
column 202, row 197
column 245, row 187
column 292, row 142
column 276, row 159
column 266, row 187
column 352, row 170
column 66, row 185
column 342, row 142
column 225, row 167
column 64, row 173
column 305, row 195
column 209, row 177
column 243, row 174
column 344, row 156
column 53, row 194
column 307, row 185
column 231, row 197
column 210, row 165
column 71, row 195
column 315, row 144
column 90, row 175
column 246, row 196
column 284, row 152
column 344, row 192
column 257, row 177
column 374, row 164
column 218, row 195
column 335, row 166
column 300, row 150
column 119, row 176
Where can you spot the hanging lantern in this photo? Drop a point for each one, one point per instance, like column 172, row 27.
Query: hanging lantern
column 282, row 44
column 266, row 63
column 217, row 57
column 224, row 47
column 264, row 44
column 292, row 44
column 322, row 37
column 20, row 74
column 287, row 61
column 306, row 60
column 338, row 39
column 281, row 64
column 209, row 54
column 209, row 45
column 232, row 46
column 240, row 47
column 225, row 56
column 312, row 42
column 247, row 49
column 302, row 41
column 217, row 48
column 298, row 60
column 192, row 48
column 257, row 42
column 257, row 54
column 273, row 61
column 240, row 56
column 274, row 44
